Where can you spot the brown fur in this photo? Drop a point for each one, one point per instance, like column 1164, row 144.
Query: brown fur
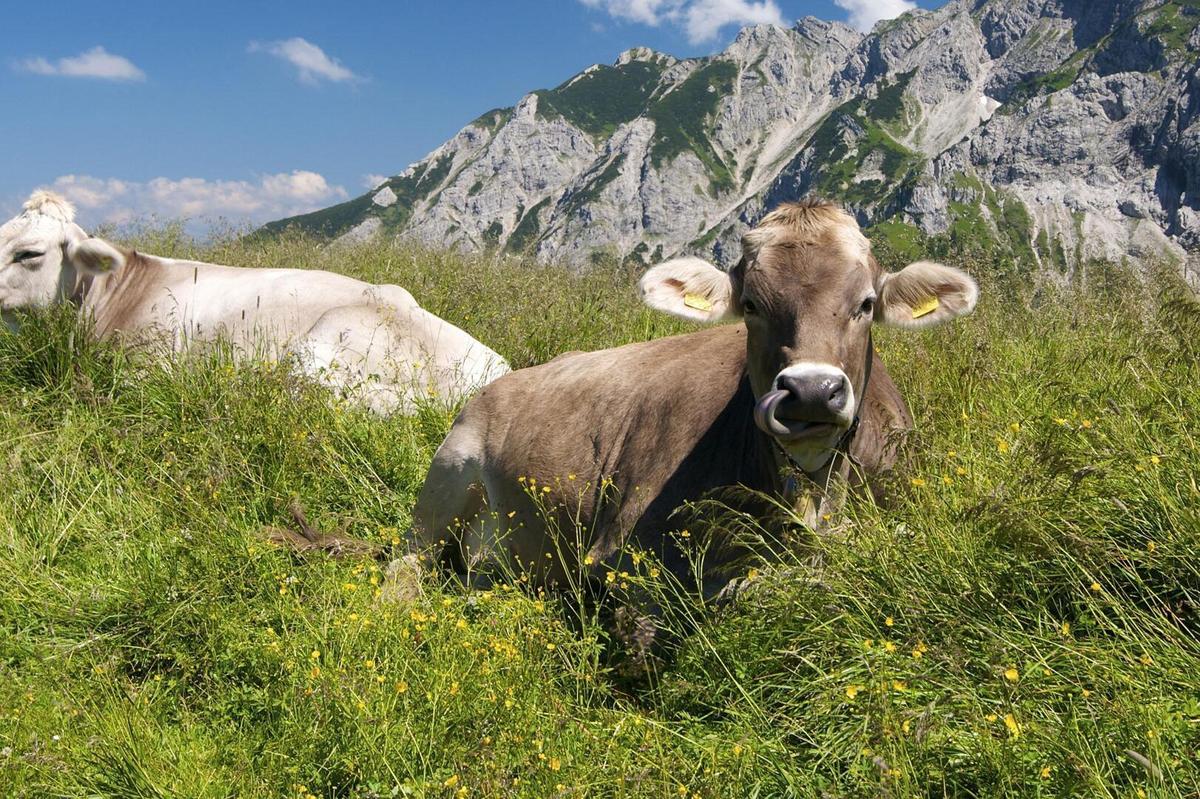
column 618, row 440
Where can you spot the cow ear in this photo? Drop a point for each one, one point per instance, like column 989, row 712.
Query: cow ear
column 690, row 288
column 95, row 255
column 924, row 294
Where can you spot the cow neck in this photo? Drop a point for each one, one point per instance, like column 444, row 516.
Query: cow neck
column 103, row 296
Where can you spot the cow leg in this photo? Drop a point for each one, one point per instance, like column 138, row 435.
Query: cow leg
column 452, row 524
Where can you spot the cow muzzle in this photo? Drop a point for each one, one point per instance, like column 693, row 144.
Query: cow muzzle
column 809, row 402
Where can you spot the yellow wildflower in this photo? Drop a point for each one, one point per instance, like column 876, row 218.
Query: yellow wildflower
column 1014, row 729
column 451, row 781
column 1045, row 772
column 917, row 482
column 889, row 621
column 1011, row 674
column 852, row 691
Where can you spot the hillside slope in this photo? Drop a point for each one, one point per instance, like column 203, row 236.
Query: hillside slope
column 1061, row 130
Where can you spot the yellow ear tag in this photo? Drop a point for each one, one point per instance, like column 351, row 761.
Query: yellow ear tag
column 697, row 302
column 925, row 308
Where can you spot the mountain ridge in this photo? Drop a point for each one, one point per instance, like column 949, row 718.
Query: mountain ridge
column 1061, row 130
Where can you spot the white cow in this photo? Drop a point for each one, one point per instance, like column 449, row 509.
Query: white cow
column 374, row 344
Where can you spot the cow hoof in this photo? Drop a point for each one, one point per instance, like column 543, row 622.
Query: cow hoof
column 401, row 582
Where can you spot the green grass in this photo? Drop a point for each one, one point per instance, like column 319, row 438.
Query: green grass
column 1022, row 620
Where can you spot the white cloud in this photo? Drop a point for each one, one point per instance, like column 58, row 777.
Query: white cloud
column 311, row 62
column 373, row 181
column 865, row 13
column 94, row 63
column 701, row 20
column 109, row 200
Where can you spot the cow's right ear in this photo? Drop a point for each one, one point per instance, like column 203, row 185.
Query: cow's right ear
column 95, row 255
column 690, row 288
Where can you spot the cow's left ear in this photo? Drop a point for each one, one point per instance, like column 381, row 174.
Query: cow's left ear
column 95, row 255
column 924, row 294
column 690, row 288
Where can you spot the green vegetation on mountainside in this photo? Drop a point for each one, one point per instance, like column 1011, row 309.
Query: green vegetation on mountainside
column 336, row 220
column 603, row 98
column 683, row 115
column 849, row 144
column 1173, row 24
column 1020, row 620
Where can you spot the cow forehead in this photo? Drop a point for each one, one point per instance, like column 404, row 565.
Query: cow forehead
column 37, row 227
column 817, row 240
column 45, row 218
column 830, row 263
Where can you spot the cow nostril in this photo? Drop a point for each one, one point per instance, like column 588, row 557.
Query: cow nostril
column 836, row 392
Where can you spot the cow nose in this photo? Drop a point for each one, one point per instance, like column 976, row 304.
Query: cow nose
column 815, row 397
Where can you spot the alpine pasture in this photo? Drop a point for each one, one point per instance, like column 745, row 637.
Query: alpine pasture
column 1022, row 619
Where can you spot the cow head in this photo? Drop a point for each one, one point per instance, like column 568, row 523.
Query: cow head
column 45, row 257
column 808, row 291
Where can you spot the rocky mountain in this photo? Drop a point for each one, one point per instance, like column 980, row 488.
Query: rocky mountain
column 1060, row 130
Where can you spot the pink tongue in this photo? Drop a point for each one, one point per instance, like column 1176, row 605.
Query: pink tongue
column 764, row 413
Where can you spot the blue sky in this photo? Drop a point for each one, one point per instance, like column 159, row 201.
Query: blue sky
column 254, row 110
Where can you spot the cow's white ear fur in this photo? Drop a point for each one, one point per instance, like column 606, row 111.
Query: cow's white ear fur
column 95, row 255
column 924, row 294
column 690, row 288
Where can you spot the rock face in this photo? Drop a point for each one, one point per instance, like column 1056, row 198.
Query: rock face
column 1061, row 130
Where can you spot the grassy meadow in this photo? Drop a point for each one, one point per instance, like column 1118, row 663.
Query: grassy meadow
column 1023, row 619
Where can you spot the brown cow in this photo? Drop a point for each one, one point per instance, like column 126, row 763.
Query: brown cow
column 613, row 442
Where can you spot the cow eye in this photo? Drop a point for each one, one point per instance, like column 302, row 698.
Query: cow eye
column 26, row 255
column 749, row 308
column 867, row 308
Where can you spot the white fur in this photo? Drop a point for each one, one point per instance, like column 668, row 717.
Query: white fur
column 372, row 343
column 50, row 204
column 667, row 286
column 956, row 292
column 95, row 256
